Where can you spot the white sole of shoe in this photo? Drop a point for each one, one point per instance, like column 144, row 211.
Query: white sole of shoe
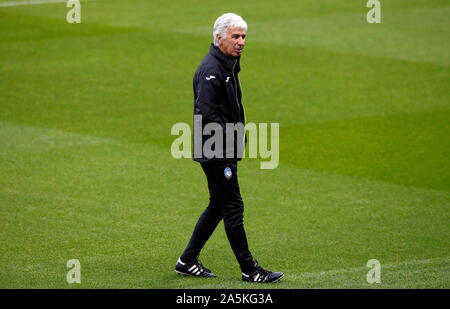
column 184, row 274
column 190, row 275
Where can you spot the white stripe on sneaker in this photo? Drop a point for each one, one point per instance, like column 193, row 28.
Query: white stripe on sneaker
column 179, row 261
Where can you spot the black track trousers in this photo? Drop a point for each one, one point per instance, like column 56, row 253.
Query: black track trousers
column 225, row 202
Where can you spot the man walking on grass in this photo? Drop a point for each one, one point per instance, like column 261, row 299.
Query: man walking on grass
column 217, row 102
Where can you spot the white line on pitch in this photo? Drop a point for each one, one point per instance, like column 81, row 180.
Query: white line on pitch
column 362, row 268
column 29, row 2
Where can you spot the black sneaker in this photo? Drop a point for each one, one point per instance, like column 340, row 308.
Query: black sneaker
column 194, row 269
column 260, row 275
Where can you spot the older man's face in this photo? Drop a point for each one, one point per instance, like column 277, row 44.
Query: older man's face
column 233, row 43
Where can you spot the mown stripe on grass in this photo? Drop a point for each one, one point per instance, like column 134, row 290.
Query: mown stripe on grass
column 409, row 148
column 399, row 36
column 26, row 138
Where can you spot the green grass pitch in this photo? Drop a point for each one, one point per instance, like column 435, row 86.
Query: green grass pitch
column 86, row 171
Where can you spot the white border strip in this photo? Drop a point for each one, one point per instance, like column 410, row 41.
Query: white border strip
column 29, row 2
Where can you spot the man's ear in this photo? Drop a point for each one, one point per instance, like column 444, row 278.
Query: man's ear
column 219, row 39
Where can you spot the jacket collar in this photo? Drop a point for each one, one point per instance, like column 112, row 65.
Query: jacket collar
column 228, row 61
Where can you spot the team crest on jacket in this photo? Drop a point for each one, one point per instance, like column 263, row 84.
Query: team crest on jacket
column 228, row 173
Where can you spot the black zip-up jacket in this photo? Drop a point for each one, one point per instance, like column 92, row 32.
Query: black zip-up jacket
column 217, row 98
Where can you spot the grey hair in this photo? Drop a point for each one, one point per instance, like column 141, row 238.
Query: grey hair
column 228, row 20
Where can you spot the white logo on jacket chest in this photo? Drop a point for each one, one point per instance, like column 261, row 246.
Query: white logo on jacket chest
column 228, row 78
column 210, row 76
